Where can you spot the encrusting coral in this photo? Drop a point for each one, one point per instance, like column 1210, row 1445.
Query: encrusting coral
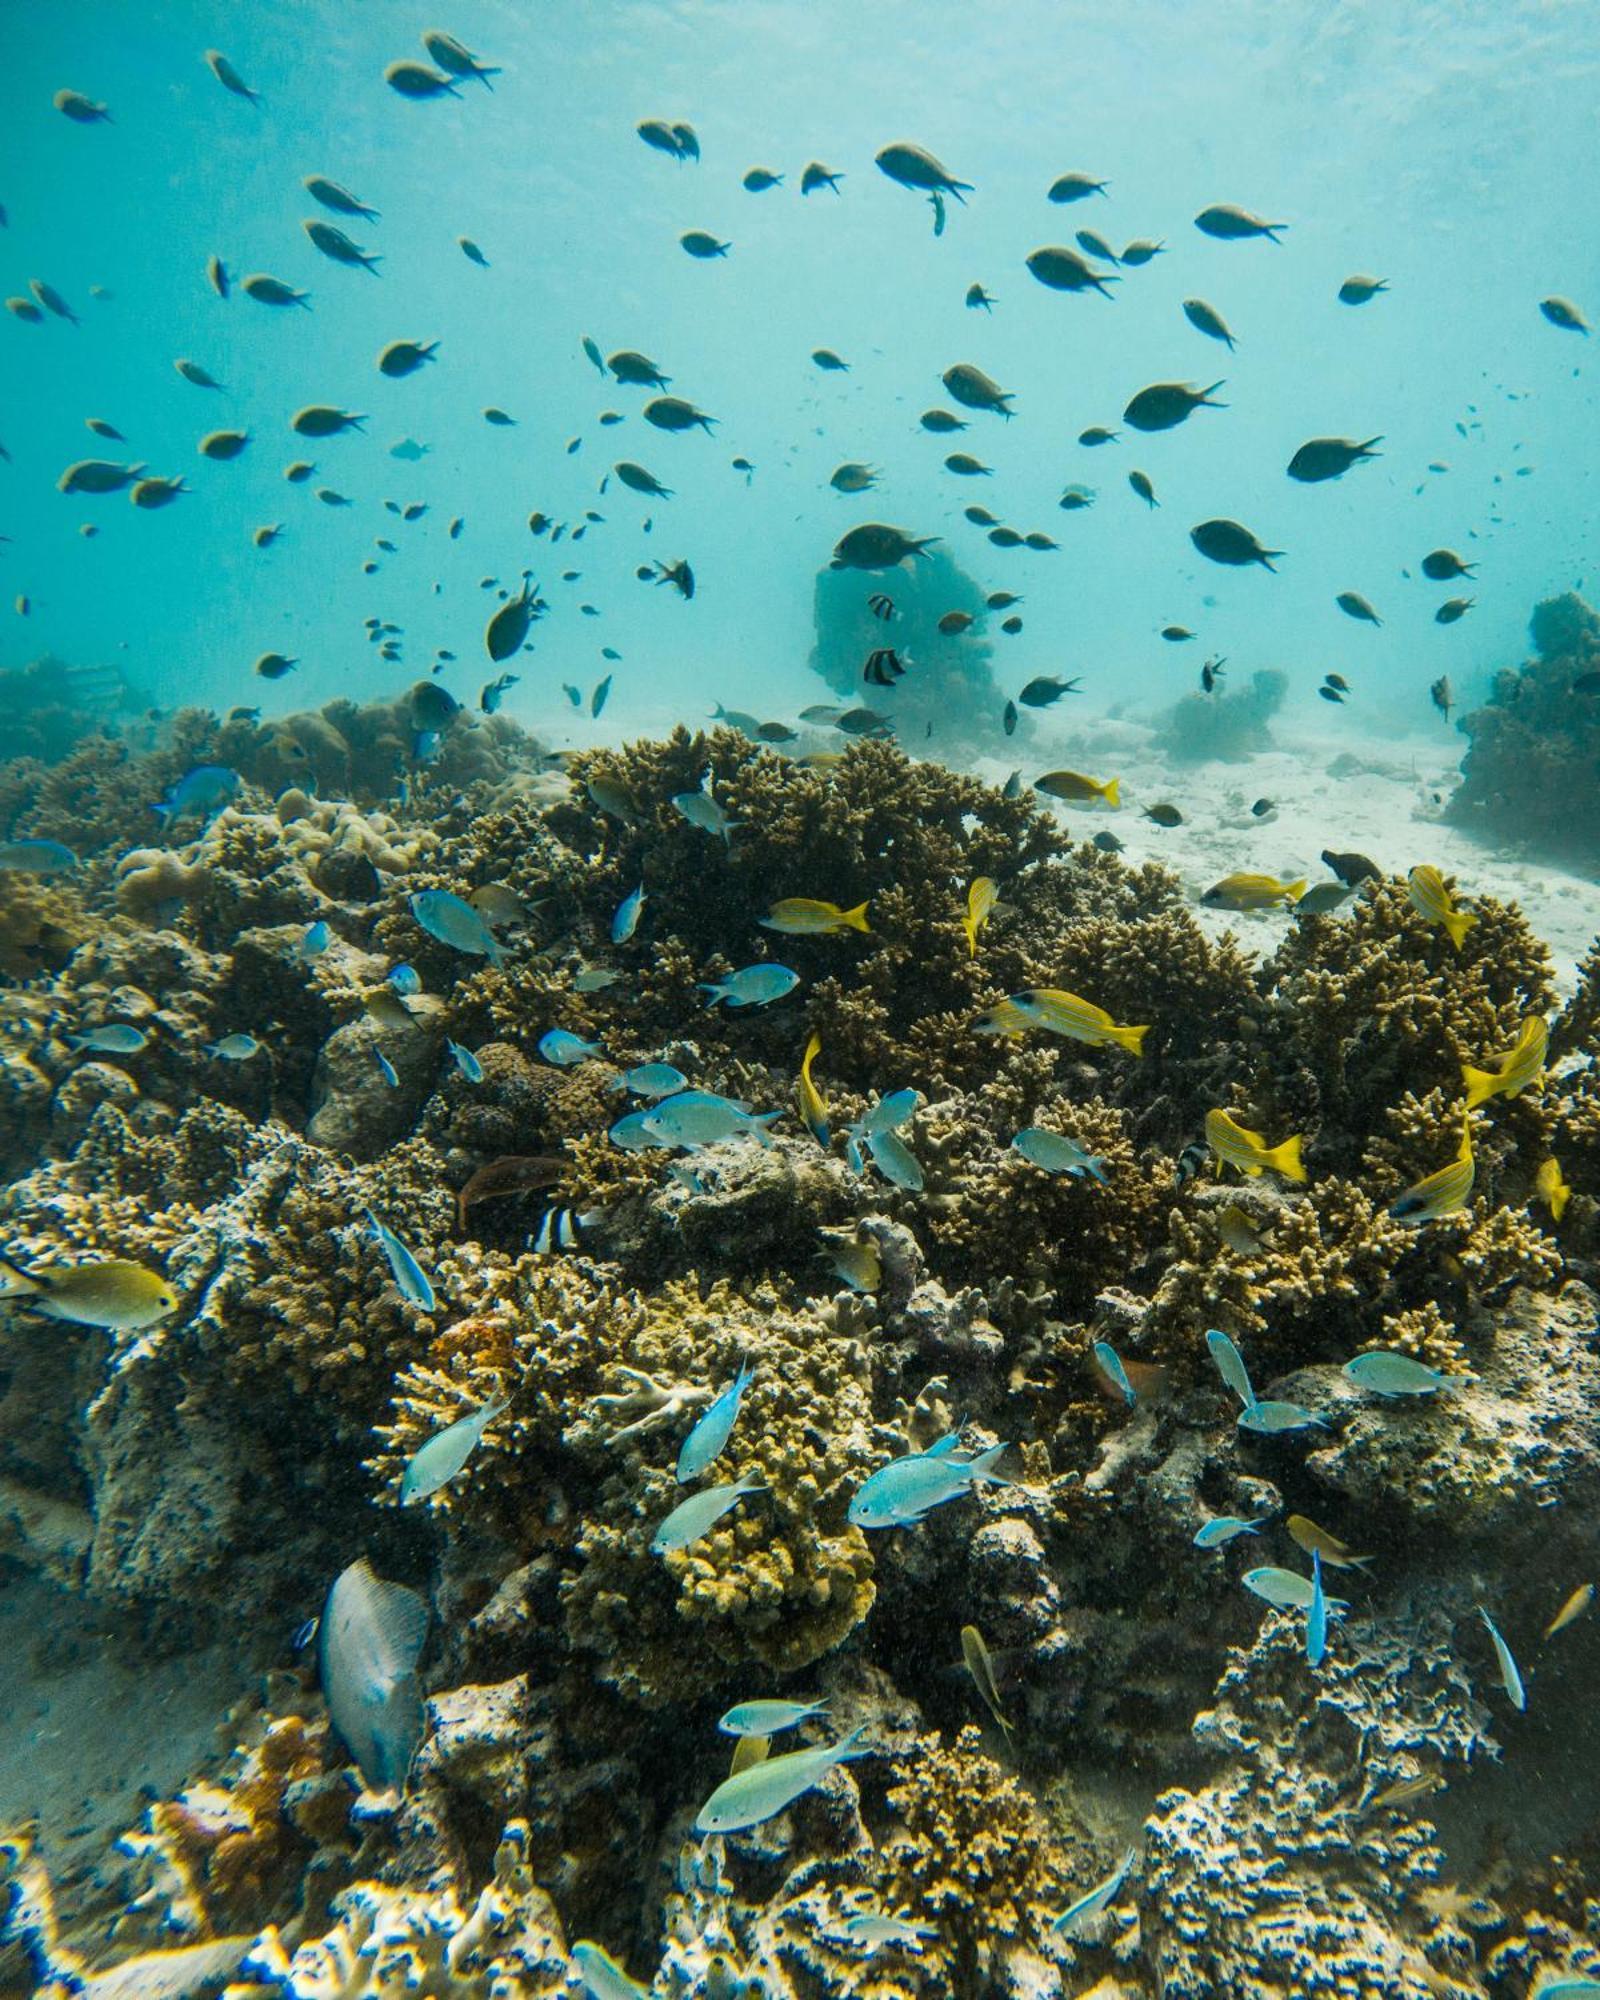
column 227, row 1462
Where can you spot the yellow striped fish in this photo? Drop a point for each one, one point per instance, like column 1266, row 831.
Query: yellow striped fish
column 1239, row 1147
column 1520, row 1066
column 1551, row 1189
column 1431, row 898
column 1062, row 1014
column 807, row 916
column 813, row 1105
column 982, row 894
column 1078, row 790
column 1443, row 1193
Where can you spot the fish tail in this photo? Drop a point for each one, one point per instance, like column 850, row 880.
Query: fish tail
column 856, row 918
column 1209, row 391
column 1285, row 1159
column 715, row 987
column 24, row 1279
column 1111, row 791
column 847, row 1746
column 1458, row 923
column 1481, row 1084
column 1293, row 891
column 981, row 1469
column 1131, row 1039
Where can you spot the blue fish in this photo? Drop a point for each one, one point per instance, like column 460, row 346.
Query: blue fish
column 369, row 1639
column 751, row 986
column 597, row 700
column 705, row 1442
column 1271, row 1419
column 116, row 1038
column 199, row 792
column 900, row 1493
column 37, row 857
column 1385, row 1373
column 425, row 745
column 409, row 1276
column 700, row 1513
column 494, row 692
column 694, row 1118
column 233, row 1048
column 626, row 920
column 895, row 1160
column 633, row 1135
column 386, row 1069
column 443, row 915
column 1230, row 1366
column 405, row 980
column 1224, row 1528
column 1071, row 1920
column 1316, row 1614
column 1111, row 1365
column 1054, row 1153
column 889, row 1113
column 465, row 1061
column 315, row 941
column 559, row 1046
column 651, row 1079
column 1510, row 1678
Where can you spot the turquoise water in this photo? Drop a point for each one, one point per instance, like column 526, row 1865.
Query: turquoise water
column 1441, row 148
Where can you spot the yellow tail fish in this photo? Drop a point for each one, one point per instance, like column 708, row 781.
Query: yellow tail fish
column 1431, row 897
column 806, row 916
column 1442, row 1193
column 982, row 894
column 1062, row 1014
column 1078, row 790
column 813, row 1105
column 1521, row 1066
column 1239, row 1147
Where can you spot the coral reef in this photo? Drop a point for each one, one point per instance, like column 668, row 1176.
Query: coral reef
column 1230, row 726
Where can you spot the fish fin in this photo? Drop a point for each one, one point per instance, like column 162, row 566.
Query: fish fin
column 856, row 918
column 852, row 1746
column 1458, row 923
column 1111, row 791
column 715, row 987
column 1131, row 1039
column 28, row 1283
column 1480, row 1085
column 1285, row 1159
column 1293, row 891
column 981, row 1469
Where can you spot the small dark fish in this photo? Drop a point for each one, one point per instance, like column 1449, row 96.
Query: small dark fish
column 980, row 517
column 573, row 694
column 864, row 722
column 1075, row 187
column 493, row 692
column 597, row 700
column 760, row 179
column 678, row 574
column 953, row 622
column 1046, row 690
column 1037, row 539
column 1230, row 225
column 1206, row 319
column 941, row 420
column 881, row 606
column 657, row 133
column 884, row 667
column 1354, row 605
column 1563, row 313
column 816, row 175
column 1443, row 695
column 1352, row 869
column 1330, row 694
column 1009, row 720
column 1011, row 626
column 1140, row 482
column 1263, row 808
column 1141, row 251
column 977, row 296
column 1107, row 842
column 1329, row 458
column 1211, row 674
column 471, row 252
column 1059, row 269
column 415, row 80
column 702, row 244
column 1002, row 600
column 1441, row 565
column 228, row 76
column 508, row 628
column 1164, row 405
column 639, row 480
column 829, row 362
column 217, row 272
column 1337, row 681
column 339, row 199
column 1190, row 1161
column 1164, row 815
column 1230, row 543
column 1357, row 290
column 334, row 244
column 1176, row 634
column 512, row 1173
column 1096, row 246
column 1097, row 434
column 1452, row 609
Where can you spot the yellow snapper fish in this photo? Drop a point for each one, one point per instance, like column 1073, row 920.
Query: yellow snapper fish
column 1239, row 1147
column 111, row 1292
column 982, row 894
column 1252, row 892
column 1441, row 1193
column 805, row 916
column 1062, row 1014
column 1431, row 898
column 1078, row 790
column 1551, row 1189
column 1307, row 1535
column 813, row 1105
column 1521, row 1066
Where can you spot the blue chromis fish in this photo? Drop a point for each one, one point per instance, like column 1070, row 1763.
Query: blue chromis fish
column 1222, row 1529
column 436, row 1462
column 405, row 979
column 751, row 986
column 1384, row 1372
column 369, row 1640
column 1316, row 1614
column 899, row 1494
column 197, row 794
column 443, row 915
column 895, row 1160
column 564, row 1049
column 1055, row 1153
column 1445, row 1192
column 386, row 1069
column 315, row 941
column 1109, row 1361
column 37, row 857
column 1230, row 1366
column 982, row 894
column 767, row 1789
column 602, row 1977
column 652, row 1080
column 1061, row 1014
column 1284, row 1589
column 813, row 1105
column 409, row 1276
column 465, row 1061
column 705, row 1442
column 695, row 1118
column 1520, row 1067
column 702, row 810
column 110, row 1292
column 1083, row 1912
column 804, row 916
column 1272, row 1418
column 1510, row 1678
column 1430, row 897
column 769, row 1718
column 1239, row 1147
column 626, row 919
column 700, row 1513
column 116, row 1038
column 233, row 1048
